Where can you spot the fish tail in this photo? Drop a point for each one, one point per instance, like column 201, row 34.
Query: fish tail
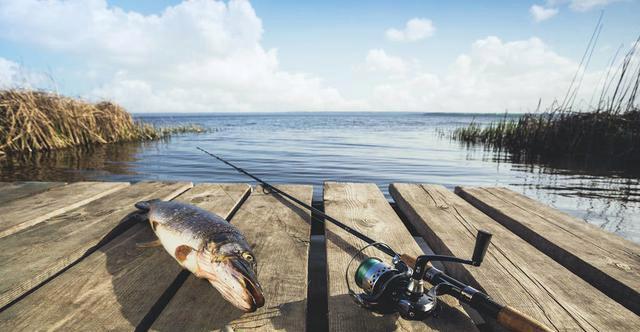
column 145, row 206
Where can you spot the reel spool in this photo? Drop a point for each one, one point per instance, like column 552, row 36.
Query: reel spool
column 371, row 272
column 386, row 289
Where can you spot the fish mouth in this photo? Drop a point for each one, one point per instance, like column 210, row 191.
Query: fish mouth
column 234, row 278
column 243, row 272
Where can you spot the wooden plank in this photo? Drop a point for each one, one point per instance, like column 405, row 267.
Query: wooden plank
column 33, row 255
column 22, row 213
column 278, row 231
column 115, row 287
column 607, row 261
column 10, row 191
column 513, row 272
column 364, row 208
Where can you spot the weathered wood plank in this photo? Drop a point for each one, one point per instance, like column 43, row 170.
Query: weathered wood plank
column 114, row 288
column 33, row 255
column 278, row 232
column 22, row 213
column 607, row 261
column 10, row 191
column 363, row 207
column 513, row 272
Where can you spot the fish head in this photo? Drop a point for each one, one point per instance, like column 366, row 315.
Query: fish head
column 231, row 269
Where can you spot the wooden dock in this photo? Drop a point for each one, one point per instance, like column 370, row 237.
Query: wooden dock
column 69, row 259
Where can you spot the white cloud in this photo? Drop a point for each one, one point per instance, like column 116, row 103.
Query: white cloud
column 415, row 29
column 8, row 72
column 579, row 5
column 584, row 5
column 378, row 60
column 196, row 56
column 540, row 13
column 13, row 75
column 207, row 56
column 493, row 77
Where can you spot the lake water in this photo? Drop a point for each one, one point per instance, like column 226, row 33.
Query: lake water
column 310, row 148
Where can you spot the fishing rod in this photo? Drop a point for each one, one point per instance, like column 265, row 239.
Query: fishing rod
column 336, row 222
column 399, row 286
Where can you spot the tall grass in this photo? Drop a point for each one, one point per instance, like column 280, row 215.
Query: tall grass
column 611, row 129
column 36, row 120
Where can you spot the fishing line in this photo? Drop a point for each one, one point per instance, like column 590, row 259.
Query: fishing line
column 331, row 219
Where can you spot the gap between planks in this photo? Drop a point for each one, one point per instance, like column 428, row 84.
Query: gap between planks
column 68, row 238
column 10, row 191
column 22, row 213
column 76, row 247
column 514, row 272
column 363, row 207
column 279, row 243
column 605, row 260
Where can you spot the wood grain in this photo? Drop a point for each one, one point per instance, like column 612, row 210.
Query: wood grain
column 30, row 257
column 607, row 261
column 22, row 213
column 363, row 207
column 114, row 288
column 514, row 320
column 278, row 231
column 10, row 191
column 514, row 273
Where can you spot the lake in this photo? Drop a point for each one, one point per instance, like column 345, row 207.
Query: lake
column 309, row 148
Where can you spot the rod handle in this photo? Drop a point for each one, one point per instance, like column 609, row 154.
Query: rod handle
column 514, row 320
column 409, row 260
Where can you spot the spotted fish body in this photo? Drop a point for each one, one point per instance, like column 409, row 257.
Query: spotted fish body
column 209, row 247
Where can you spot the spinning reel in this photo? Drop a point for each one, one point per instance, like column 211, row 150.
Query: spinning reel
column 399, row 286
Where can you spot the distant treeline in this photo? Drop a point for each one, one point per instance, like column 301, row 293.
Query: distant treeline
column 36, row 120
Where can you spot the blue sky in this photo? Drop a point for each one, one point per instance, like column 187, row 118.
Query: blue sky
column 466, row 56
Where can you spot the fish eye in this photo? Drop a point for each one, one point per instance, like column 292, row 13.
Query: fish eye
column 247, row 256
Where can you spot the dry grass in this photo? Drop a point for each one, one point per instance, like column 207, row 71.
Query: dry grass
column 39, row 121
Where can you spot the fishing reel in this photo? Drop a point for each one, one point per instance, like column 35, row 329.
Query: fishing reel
column 397, row 287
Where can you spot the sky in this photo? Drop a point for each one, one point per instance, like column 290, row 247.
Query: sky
column 241, row 56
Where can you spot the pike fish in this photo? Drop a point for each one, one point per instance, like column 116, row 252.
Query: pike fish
column 209, row 247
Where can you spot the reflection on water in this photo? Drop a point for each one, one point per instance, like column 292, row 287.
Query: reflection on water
column 69, row 165
column 612, row 203
column 383, row 148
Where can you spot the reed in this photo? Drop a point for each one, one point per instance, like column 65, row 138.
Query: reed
column 610, row 129
column 562, row 134
column 40, row 121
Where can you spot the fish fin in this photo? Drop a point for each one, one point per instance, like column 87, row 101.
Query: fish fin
column 145, row 206
column 150, row 244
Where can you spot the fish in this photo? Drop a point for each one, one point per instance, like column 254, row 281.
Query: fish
column 208, row 246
